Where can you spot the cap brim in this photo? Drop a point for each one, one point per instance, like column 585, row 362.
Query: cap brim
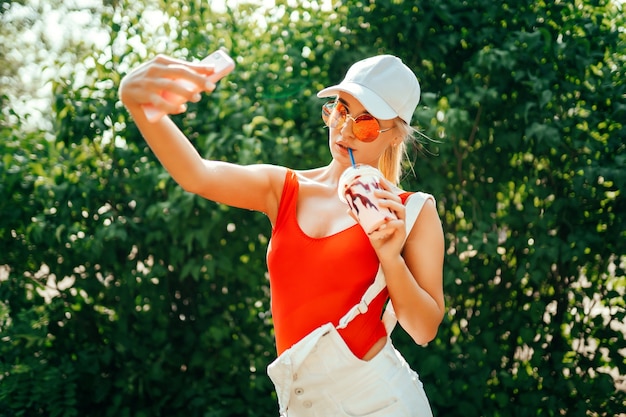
column 372, row 102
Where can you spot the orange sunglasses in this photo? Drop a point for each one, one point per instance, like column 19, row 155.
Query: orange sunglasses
column 365, row 127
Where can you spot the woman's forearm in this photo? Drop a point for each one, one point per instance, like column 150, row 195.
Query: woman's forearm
column 416, row 310
column 179, row 157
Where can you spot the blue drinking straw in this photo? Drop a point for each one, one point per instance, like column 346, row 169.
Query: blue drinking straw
column 352, row 157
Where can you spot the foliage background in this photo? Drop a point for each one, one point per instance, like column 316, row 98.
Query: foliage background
column 122, row 295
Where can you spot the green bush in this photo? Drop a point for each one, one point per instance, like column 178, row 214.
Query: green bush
column 122, row 295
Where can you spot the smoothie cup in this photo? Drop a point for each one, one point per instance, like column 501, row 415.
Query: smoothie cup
column 356, row 189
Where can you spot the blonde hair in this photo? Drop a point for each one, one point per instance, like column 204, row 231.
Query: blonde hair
column 390, row 163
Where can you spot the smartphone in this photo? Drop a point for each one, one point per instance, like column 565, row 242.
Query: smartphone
column 222, row 62
column 223, row 65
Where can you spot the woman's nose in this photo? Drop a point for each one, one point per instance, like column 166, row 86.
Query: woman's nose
column 346, row 129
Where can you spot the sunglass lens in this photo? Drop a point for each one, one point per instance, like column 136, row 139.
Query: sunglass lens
column 366, row 128
column 327, row 110
column 333, row 114
column 329, row 115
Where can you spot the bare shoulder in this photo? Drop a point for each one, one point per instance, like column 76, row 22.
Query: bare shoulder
column 274, row 173
column 275, row 176
column 254, row 187
column 428, row 228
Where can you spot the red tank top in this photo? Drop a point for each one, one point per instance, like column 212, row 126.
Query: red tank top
column 315, row 281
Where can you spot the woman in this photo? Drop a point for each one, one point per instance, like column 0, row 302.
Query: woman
column 320, row 261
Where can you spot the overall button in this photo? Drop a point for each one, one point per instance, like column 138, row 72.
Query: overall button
column 299, row 391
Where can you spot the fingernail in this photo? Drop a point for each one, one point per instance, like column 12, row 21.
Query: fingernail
column 209, row 86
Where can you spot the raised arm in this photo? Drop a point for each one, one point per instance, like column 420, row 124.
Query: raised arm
column 254, row 187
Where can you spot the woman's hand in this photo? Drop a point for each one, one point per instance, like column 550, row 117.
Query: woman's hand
column 163, row 77
column 388, row 239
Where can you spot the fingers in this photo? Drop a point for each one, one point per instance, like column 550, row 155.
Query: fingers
column 390, row 200
column 351, row 213
column 167, row 103
column 384, row 231
column 181, row 78
column 165, row 84
column 200, row 68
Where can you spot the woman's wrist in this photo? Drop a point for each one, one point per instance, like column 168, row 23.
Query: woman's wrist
column 392, row 262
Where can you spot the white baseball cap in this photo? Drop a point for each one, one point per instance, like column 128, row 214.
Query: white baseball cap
column 383, row 84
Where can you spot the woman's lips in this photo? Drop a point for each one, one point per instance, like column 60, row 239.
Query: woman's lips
column 343, row 147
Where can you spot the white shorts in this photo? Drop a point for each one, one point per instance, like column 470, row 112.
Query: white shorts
column 321, row 377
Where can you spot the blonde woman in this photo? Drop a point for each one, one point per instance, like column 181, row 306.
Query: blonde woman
column 330, row 281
